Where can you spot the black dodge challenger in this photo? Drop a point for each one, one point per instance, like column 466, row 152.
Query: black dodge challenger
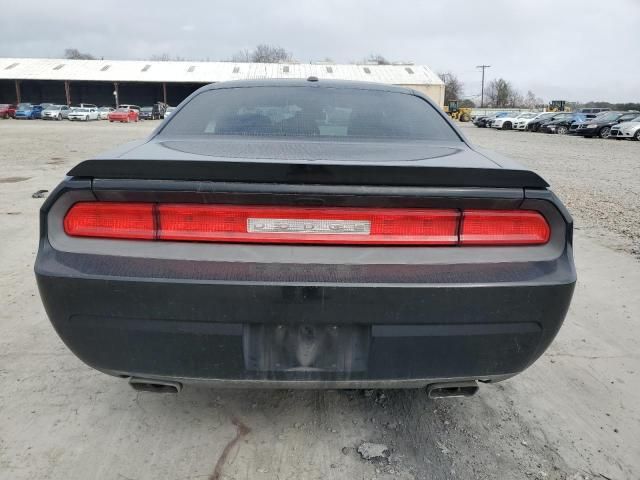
column 306, row 233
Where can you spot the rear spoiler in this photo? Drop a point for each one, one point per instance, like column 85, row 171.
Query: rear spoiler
column 309, row 173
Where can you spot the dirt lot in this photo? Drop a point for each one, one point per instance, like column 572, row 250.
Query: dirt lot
column 575, row 414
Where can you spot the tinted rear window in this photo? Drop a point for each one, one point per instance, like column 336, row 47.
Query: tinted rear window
column 310, row 112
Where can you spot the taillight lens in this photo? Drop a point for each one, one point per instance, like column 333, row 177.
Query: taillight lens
column 111, row 220
column 300, row 225
column 503, row 227
column 255, row 224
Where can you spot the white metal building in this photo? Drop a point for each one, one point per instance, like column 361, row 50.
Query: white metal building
column 40, row 80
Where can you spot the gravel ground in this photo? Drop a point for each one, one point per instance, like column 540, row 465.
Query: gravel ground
column 573, row 415
column 598, row 180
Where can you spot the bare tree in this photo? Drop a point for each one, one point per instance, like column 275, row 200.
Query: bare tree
column 500, row 93
column 452, row 87
column 163, row 57
column 75, row 54
column 531, row 101
column 242, row 56
column 264, row 53
column 377, row 59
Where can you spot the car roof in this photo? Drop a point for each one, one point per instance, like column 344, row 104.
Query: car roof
column 277, row 82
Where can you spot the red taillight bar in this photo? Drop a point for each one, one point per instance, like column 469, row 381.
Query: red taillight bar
column 305, row 225
column 503, row 227
column 111, row 220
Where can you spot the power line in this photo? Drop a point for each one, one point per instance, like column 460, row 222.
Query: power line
column 483, row 67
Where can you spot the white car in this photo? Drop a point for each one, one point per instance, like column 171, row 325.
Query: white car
column 509, row 122
column 55, row 112
column 626, row 130
column 521, row 123
column 169, row 111
column 103, row 112
column 85, row 114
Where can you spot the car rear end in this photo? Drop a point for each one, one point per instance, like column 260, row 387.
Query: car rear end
column 295, row 272
column 146, row 113
column 23, row 114
column 51, row 113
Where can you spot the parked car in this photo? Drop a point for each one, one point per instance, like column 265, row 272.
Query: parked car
column 601, row 125
column 55, row 112
column 559, row 117
column 169, row 111
column 507, row 122
column 84, row 114
column 485, row 122
column 124, row 115
column 296, row 281
column 85, row 105
column 534, row 124
column 592, row 111
column 521, row 123
column 28, row 111
column 151, row 113
column 562, row 125
column 129, row 106
column 7, row 110
column 629, row 130
column 46, row 105
column 103, row 112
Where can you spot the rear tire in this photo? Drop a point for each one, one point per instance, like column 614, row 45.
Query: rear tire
column 605, row 132
column 507, row 126
column 562, row 130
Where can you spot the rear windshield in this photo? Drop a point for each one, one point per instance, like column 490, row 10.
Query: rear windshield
column 310, row 112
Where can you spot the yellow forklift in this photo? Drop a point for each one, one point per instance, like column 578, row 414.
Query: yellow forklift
column 462, row 114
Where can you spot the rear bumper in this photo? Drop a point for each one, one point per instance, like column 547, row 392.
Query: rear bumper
column 242, row 323
column 177, row 328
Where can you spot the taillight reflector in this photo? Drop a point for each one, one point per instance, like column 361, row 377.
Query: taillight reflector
column 305, row 225
column 503, row 227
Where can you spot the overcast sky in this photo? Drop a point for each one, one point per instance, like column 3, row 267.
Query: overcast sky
column 561, row 49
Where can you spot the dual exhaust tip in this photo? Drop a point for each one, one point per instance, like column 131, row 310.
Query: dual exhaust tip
column 435, row 390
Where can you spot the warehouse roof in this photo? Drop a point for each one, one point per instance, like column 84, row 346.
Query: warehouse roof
column 205, row 72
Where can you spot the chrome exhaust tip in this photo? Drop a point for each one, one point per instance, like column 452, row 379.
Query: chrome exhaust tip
column 154, row 386
column 452, row 389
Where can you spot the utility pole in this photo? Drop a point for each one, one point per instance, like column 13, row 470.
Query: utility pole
column 483, row 67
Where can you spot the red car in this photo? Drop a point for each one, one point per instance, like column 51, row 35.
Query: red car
column 7, row 110
column 125, row 113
